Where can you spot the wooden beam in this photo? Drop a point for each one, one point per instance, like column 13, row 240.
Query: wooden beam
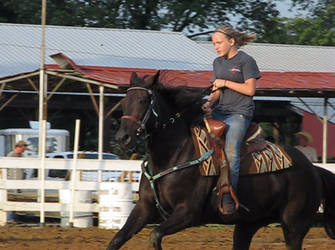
column 59, row 84
column 331, row 105
column 112, row 109
column 31, row 82
column 93, row 99
column 8, row 101
column 2, row 88
column 19, row 77
column 310, row 110
column 81, row 79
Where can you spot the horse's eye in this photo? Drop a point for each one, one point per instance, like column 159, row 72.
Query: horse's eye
column 143, row 100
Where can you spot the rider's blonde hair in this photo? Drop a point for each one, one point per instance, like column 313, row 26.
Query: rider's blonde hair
column 240, row 38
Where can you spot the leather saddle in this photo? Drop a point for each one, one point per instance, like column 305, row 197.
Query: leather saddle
column 252, row 142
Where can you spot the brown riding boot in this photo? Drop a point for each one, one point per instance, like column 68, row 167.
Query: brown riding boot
column 228, row 205
column 228, row 208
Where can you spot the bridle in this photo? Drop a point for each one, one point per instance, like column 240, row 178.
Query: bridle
column 150, row 110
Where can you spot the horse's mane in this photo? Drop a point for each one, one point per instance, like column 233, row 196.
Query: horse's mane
column 184, row 99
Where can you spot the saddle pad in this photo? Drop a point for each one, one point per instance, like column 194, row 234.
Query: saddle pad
column 201, row 144
column 272, row 158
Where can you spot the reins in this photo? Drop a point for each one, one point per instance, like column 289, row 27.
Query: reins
column 171, row 120
column 177, row 115
column 148, row 173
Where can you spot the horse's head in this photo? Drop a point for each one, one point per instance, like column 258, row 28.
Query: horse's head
column 137, row 108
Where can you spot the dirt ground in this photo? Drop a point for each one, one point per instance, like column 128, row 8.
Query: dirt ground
column 93, row 238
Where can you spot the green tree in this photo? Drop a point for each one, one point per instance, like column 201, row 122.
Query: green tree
column 188, row 16
column 317, row 28
column 174, row 15
column 60, row 12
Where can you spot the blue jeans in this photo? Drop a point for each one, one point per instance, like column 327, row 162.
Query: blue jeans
column 237, row 126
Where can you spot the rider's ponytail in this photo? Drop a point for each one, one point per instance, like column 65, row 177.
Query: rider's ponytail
column 240, row 38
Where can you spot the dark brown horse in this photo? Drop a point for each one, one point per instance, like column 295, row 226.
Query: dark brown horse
column 177, row 199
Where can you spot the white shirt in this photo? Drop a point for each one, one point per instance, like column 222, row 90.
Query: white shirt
column 309, row 152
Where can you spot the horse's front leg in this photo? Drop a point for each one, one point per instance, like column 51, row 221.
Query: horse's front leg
column 138, row 218
column 181, row 218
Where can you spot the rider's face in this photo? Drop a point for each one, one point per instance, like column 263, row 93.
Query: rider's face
column 223, row 44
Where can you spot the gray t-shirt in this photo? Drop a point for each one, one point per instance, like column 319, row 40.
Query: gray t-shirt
column 13, row 154
column 239, row 68
column 15, row 173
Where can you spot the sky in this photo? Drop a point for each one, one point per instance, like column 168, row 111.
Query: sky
column 286, row 10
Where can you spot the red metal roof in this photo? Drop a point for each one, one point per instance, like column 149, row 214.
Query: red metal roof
column 269, row 80
column 297, row 80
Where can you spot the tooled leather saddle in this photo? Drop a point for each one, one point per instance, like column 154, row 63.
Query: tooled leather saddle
column 252, row 142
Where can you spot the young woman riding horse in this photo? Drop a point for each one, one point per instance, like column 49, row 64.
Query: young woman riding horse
column 234, row 76
column 174, row 194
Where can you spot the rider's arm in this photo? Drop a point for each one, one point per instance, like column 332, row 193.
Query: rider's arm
column 246, row 88
column 213, row 97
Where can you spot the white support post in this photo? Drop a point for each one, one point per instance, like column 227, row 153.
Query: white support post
column 42, row 83
column 101, row 128
column 41, row 111
column 74, row 172
column 42, row 173
column 325, row 131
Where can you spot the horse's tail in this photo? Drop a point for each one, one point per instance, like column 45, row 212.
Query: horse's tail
column 328, row 193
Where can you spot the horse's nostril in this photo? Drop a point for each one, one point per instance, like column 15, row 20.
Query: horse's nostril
column 123, row 139
column 126, row 139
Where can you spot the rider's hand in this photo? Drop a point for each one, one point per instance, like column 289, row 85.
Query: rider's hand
column 207, row 108
column 219, row 83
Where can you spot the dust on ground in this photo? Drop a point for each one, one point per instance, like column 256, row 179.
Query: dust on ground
column 196, row 238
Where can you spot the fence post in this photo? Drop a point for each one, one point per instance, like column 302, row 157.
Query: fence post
column 3, row 198
column 74, row 171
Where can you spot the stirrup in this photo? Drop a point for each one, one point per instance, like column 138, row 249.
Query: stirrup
column 234, row 197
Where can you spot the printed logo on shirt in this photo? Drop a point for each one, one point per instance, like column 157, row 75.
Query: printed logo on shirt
column 234, row 69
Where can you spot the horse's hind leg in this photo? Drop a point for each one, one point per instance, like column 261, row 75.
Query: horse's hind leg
column 294, row 233
column 243, row 234
column 137, row 219
column 296, row 221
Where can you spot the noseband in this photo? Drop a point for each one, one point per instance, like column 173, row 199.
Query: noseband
column 147, row 114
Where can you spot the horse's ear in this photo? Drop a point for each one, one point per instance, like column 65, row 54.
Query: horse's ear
column 156, row 76
column 133, row 77
column 150, row 80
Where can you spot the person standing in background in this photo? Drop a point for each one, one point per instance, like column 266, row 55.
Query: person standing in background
column 20, row 147
column 15, row 174
column 304, row 139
